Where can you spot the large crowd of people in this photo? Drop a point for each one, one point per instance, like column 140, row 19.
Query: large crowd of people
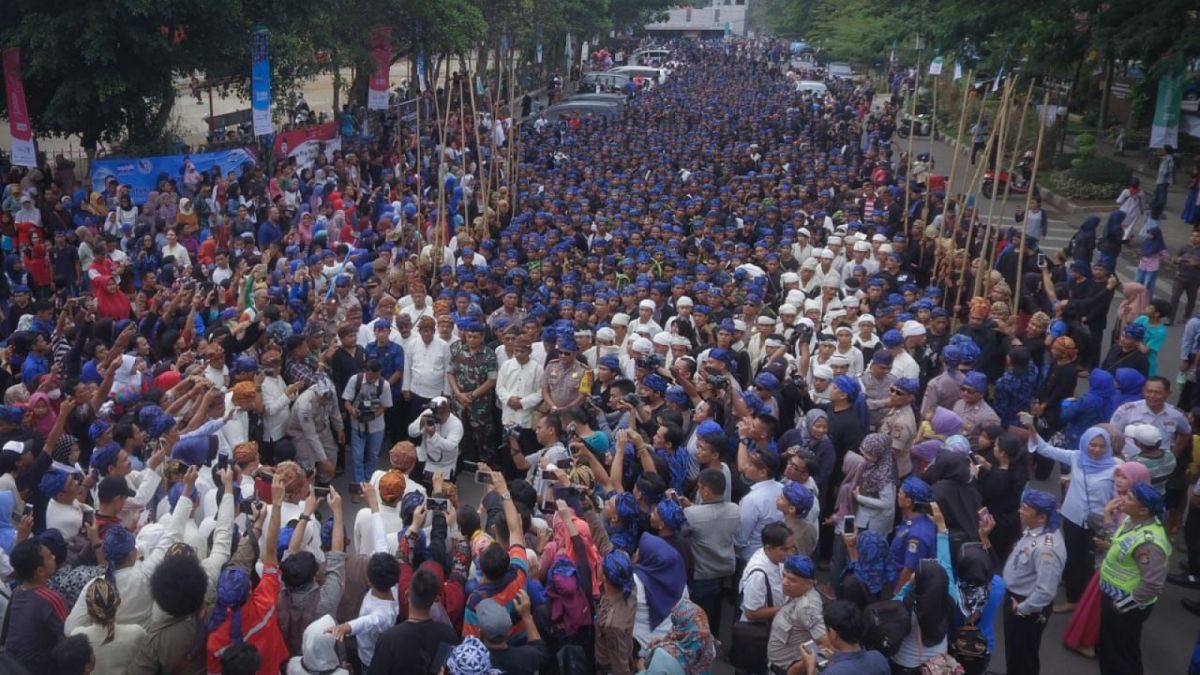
column 710, row 363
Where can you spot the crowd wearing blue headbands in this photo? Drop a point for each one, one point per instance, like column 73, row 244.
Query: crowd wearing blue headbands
column 700, row 357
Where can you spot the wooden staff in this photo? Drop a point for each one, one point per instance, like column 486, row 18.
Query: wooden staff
column 987, row 151
column 1037, row 158
column 437, row 245
column 962, row 121
column 912, row 123
column 1002, row 131
column 512, row 129
column 462, row 134
column 1013, row 163
column 482, row 184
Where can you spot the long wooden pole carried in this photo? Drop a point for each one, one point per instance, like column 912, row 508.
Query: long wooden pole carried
column 512, row 125
column 1037, row 158
column 912, row 122
column 1002, row 122
column 950, row 181
column 1013, row 163
column 482, row 181
column 987, row 152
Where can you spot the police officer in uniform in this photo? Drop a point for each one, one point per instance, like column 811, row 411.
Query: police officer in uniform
column 1031, row 575
column 1131, row 577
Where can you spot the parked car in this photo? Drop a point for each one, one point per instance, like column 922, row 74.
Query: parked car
column 645, row 56
column 603, row 81
column 841, row 71
column 584, row 109
column 812, row 87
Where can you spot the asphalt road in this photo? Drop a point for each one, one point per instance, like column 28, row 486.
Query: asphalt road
column 1169, row 634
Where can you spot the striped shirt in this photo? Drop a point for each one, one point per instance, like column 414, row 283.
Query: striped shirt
column 504, row 592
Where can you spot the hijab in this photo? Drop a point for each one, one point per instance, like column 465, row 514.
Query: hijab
column 1129, row 386
column 1153, row 243
column 930, row 600
column 950, row 479
column 560, row 546
column 1135, row 472
column 881, row 468
column 973, row 575
column 853, row 467
column 1105, row 462
column 1134, row 300
column 690, row 640
column 875, row 566
column 660, row 569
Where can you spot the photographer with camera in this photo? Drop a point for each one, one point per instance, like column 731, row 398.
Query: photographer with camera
column 366, row 398
column 440, row 432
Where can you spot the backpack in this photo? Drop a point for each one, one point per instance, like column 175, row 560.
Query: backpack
column 887, row 623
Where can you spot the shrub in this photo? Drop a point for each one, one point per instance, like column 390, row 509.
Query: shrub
column 1101, row 171
column 1085, row 141
column 1065, row 185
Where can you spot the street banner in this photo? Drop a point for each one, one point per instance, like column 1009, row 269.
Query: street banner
column 380, row 82
column 260, row 82
column 143, row 174
column 23, row 153
column 935, row 66
column 304, row 143
column 539, row 52
column 1165, row 128
column 957, row 71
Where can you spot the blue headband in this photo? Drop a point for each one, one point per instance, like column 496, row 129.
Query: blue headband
column 800, row 565
column 1149, row 497
column 671, row 513
column 53, row 482
column 917, row 490
column 1045, row 504
column 618, row 569
column 800, row 497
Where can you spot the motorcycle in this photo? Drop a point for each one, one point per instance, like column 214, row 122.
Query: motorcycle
column 1015, row 184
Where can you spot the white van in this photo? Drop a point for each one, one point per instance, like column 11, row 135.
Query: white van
column 812, row 87
column 646, row 56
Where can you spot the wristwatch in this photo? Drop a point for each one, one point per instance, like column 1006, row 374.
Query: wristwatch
column 505, row 496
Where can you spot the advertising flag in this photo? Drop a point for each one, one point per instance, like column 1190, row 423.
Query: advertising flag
column 260, row 82
column 935, row 66
column 23, row 153
column 421, row 69
column 381, row 53
column 1164, row 130
column 957, row 71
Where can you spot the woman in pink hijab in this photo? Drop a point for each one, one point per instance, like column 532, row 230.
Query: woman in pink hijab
column 1084, row 629
column 43, row 412
column 1134, row 301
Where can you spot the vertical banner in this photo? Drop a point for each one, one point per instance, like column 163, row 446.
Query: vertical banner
column 1165, row 128
column 957, row 71
column 23, row 153
column 380, row 82
column 583, row 52
column 260, row 82
column 935, row 66
column 999, row 76
column 421, row 69
column 568, row 52
column 539, row 52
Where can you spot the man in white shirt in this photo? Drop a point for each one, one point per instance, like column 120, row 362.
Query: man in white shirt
column 440, row 433
column 761, row 584
column 645, row 319
column 425, row 359
column 519, row 386
column 416, row 304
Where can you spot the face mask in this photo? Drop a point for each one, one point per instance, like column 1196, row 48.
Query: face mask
column 55, row 394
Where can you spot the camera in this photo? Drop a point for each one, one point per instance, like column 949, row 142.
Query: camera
column 632, row 399
column 596, row 401
column 366, row 409
column 512, row 431
column 717, row 381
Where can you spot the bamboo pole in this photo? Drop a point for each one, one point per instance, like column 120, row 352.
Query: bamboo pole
column 987, row 151
column 512, row 129
column 912, row 123
column 1002, row 123
column 962, row 121
column 462, row 134
column 1013, row 162
column 481, row 183
column 1037, row 158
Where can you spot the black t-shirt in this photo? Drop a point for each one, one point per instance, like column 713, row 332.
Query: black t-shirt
column 35, row 625
column 409, row 648
column 527, row 659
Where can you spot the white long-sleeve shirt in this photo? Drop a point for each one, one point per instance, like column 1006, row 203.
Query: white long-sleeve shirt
column 439, row 451
column 425, row 366
column 276, row 407
column 523, row 381
column 133, row 582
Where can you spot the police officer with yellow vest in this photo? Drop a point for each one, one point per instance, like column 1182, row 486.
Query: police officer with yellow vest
column 1031, row 574
column 1131, row 578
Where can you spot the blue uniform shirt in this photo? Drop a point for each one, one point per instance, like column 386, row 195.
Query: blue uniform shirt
column 390, row 356
column 914, row 541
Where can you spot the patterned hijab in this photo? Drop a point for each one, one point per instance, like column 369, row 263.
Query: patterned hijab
column 690, row 640
column 881, row 464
